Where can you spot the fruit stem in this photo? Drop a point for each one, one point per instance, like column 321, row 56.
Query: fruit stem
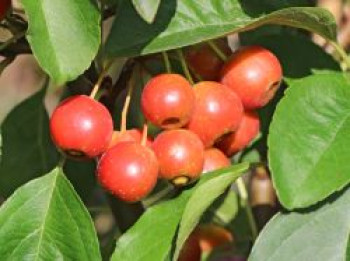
column 127, row 105
column 100, row 79
column 166, row 62
column 340, row 51
column 217, row 50
column 242, row 190
column 184, row 66
column 144, row 134
column 193, row 72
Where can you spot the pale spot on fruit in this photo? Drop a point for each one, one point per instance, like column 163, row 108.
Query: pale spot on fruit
column 172, row 97
column 133, row 170
column 178, row 152
column 252, row 74
column 213, row 106
column 87, row 125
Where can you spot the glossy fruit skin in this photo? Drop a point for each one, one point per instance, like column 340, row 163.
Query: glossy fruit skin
column 128, row 170
column 243, row 136
column 218, row 111
column 254, row 73
column 128, row 135
column 207, row 237
column 81, row 127
column 214, row 159
column 205, row 62
column 168, row 101
column 4, row 7
column 180, row 154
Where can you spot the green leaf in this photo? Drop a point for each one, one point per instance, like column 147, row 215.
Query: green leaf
column 223, row 210
column 201, row 199
column 27, row 149
column 309, row 140
column 307, row 56
column 182, row 23
column 316, row 234
column 348, row 250
column 147, row 9
column 150, row 239
column 45, row 220
column 64, row 35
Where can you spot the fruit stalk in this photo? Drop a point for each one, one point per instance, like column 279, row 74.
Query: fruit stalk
column 100, row 79
column 217, row 50
column 144, row 134
column 126, row 105
column 184, row 66
column 166, row 62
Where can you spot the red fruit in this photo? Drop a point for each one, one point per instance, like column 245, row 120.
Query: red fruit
column 128, row 170
column 128, row 135
column 218, row 111
column 214, row 159
column 4, row 7
column 167, row 101
column 180, row 154
column 205, row 62
column 254, row 73
column 245, row 134
column 207, row 237
column 191, row 250
column 81, row 127
column 211, row 236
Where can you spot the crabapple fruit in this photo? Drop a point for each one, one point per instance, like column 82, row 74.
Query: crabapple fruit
column 218, row 111
column 207, row 237
column 204, row 61
column 128, row 170
column 81, row 127
column 168, row 101
column 255, row 74
column 243, row 136
column 180, row 154
column 128, row 135
column 214, row 159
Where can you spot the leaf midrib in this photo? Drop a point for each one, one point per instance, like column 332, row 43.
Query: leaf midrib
column 247, row 23
column 42, row 227
column 321, row 155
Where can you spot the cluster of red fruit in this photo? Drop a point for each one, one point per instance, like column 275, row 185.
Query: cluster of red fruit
column 202, row 126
